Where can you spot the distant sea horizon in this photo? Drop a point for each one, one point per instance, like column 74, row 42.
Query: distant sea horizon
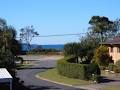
column 48, row 46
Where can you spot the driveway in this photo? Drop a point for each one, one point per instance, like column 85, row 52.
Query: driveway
column 28, row 76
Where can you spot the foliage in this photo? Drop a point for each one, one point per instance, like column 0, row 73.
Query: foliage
column 27, row 35
column 44, row 51
column 75, row 70
column 96, row 78
column 15, row 47
column 102, row 26
column 82, row 50
column 93, row 68
column 72, row 59
column 20, row 59
column 88, row 44
column 116, row 25
column 101, row 56
column 71, row 70
column 101, row 29
column 117, row 67
column 9, row 46
column 71, row 49
column 7, row 60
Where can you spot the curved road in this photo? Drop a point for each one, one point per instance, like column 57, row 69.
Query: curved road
column 28, row 76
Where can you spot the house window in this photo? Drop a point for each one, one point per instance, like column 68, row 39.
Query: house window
column 118, row 49
column 111, row 49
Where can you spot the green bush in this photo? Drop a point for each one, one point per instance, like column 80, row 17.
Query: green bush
column 75, row 70
column 71, row 49
column 101, row 56
column 95, row 78
column 72, row 59
column 93, row 69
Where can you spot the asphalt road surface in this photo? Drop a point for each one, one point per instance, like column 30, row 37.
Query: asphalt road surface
column 28, row 76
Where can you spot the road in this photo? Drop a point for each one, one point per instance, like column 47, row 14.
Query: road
column 28, row 76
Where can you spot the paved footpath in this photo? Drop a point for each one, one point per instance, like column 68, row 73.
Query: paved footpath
column 28, row 76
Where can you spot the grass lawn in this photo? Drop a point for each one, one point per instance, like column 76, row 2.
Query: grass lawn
column 115, row 87
column 52, row 74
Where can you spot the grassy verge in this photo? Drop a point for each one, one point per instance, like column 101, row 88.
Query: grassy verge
column 116, row 87
column 54, row 76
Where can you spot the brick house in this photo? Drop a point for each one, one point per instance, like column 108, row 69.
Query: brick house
column 114, row 48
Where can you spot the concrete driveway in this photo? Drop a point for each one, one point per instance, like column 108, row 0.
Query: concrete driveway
column 44, row 63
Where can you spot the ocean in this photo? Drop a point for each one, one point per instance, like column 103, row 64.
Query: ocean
column 33, row 46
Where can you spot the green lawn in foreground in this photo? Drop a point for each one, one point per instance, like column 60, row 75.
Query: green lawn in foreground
column 54, row 76
column 116, row 87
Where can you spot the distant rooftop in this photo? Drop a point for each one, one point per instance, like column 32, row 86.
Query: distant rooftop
column 113, row 41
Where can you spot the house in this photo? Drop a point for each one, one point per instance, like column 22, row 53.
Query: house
column 5, row 77
column 114, row 48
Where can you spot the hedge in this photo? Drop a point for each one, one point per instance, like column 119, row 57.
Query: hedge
column 76, row 70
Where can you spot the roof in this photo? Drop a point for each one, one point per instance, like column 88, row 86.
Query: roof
column 113, row 41
column 4, row 74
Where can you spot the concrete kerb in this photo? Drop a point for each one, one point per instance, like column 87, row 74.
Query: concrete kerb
column 79, row 87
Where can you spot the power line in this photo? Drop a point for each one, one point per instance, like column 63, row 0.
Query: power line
column 61, row 35
column 58, row 35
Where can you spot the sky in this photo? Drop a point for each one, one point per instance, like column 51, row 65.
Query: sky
column 51, row 17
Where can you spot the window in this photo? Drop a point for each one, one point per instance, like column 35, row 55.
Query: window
column 111, row 49
column 118, row 49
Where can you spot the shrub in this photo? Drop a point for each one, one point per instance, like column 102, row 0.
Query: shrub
column 95, row 78
column 72, row 59
column 101, row 56
column 7, row 60
column 75, row 70
column 71, row 70
column 93, row 68
column 71, row 49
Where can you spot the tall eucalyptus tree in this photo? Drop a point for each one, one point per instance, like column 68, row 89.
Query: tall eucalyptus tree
column 9, row 46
